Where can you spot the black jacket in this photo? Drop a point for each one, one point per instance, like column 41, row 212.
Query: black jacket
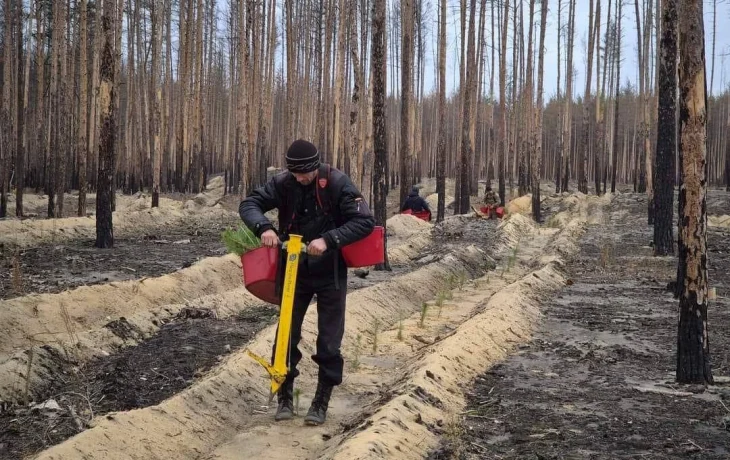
column 415, row 203
column 347, row 221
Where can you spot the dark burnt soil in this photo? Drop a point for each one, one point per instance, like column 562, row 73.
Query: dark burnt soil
column 52, row 268
column 143, row 375
column 135, row 377
column 597, row 380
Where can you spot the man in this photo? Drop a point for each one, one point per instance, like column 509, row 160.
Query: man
column 324, row 206
column 414, row 202
column 491, row 201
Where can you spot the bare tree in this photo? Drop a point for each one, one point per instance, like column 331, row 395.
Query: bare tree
column 21, row 89
column 441, row 148
column 502, row 152
column 693, row 349
column 558, row 158
column 380, row 137
column 6, row 123
column 583, row 150
column 156, row 97
column 355, row 151
column 537, row 140
column 406, row 150
column 522, row 181
column 107, row 88
column 619, row 4
column 714, row 36
column 339, row 75
column 466, row 141
column 82, row 136
column 666, row 141
column 567, row 112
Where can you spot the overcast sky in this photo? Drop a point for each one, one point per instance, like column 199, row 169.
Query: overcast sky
column 628, row 45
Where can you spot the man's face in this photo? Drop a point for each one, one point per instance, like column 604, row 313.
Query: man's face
column 305, row 178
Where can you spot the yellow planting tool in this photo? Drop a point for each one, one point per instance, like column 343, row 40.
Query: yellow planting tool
column 279, row 369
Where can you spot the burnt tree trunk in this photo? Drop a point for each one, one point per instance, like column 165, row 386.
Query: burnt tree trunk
column 20, row 113
column 614, row 166
column 380, row 135
column 463, row 204
column 441, row 146
column 501, row 156
column 666, row 143
column 727, row 165
column 693, row 350
column 104, row 228
column 406, row 150
column 5, row 117
column 537, row 141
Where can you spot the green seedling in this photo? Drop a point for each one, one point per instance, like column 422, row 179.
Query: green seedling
column 356, row 357
column 451, row 281
column 297, row 393
column 440, row 301
column 375, row 331
column 513, row 257
column 424, row 311
column 240, row 241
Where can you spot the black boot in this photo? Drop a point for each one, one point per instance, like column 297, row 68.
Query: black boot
column 318, row 411
column 285, row 411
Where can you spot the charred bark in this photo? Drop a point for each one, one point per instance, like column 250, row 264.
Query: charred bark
column 104, row 224
column 693, row 350
column 441, row 147
column 666, row 143
column 380, row 135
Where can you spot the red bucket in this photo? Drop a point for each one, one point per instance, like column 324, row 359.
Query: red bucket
column 259, row 273
column 423, row 215
column 498, row 211
column 368, row 251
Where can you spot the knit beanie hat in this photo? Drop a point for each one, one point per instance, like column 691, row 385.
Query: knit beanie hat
column 302, row 157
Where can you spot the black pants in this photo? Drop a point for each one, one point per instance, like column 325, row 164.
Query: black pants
column 330, row 323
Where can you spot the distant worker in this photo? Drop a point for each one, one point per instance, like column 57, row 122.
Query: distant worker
column 490, row 197
column 491, row 201
column 415, row 202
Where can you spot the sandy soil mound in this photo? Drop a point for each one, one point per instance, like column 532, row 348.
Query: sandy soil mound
column 210, row 197
column 190, row 423
column 54, row 323
column 719, row 221
column 521, row 205
column 406, row 426
column 225, row 406
column 427, row 401
column 433, row 201
column 141, row 201
column 29, row 232
column 96, row 319
column 406, row 225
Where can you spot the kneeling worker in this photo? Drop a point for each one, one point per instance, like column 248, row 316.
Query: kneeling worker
column 415, row 203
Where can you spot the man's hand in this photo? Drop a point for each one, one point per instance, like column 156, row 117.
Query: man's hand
column 270, row 239
column 317, row 247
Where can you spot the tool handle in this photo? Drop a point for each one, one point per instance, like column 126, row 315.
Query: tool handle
column 285, row 245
